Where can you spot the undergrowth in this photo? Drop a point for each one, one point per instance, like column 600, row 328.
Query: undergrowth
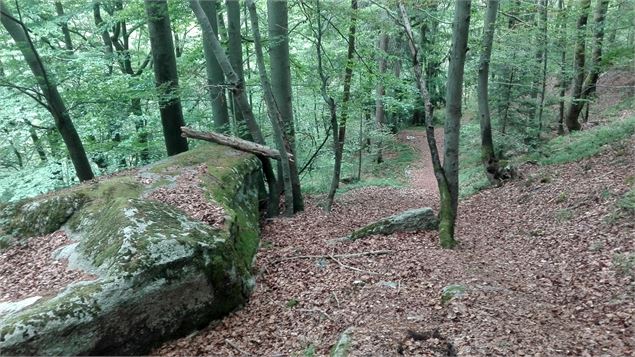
column 392, row 172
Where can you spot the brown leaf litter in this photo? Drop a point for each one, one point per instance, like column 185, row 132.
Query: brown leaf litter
column 537, row 260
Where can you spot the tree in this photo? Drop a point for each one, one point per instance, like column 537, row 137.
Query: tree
column 165, row 74
column 277, row 15
column 340, row 138
column 488, row 155
column 237, row 87
column 54, row 102
column 571, row 119
column 446, row 174
column 215, row 77
column 275, row 114
column 235, row 52
column 589, row 87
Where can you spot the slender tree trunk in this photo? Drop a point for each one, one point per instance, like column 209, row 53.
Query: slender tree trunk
column 596, row 57
column 488, row 155
column 571, row 119
column 237, row 87
column 562, row 17
column 68, row 42
column 453, row 119
column 165, row 75
column 542, row 53
column 380, row 112
column 274, row 112
column 236, row 59
column 18, row 32
column 281, row 84
column 215, row 77
column 446, row 241
column 341, row 135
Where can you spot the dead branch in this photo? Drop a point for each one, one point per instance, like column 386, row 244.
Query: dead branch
column 233, row 142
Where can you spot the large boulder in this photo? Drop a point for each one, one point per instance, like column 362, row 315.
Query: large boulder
column 158, row 272
column 408, row 221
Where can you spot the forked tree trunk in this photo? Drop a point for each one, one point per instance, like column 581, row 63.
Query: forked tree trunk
column 571, row 119
column 542, row 54
column 447, row 214
column 237, row 87
column 488, row 155
column 591, row 80
column 341, row 135
column 18, row 32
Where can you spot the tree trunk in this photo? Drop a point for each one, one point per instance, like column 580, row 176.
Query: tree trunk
column 341, row 135
column 453, row 121
column 165, row 75
column 215, row 77
column 68, row 42
column 562, row 20
column 237, row 87
column 278, row 22
column 446, row 241
column 236, row 59
column 571, row 119
column 488, row 155
column 542, row 62
column 380, row 112
column 56, row 106
column 275, row 114
column 596, row 57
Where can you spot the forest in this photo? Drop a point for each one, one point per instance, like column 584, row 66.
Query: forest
column 311, row 177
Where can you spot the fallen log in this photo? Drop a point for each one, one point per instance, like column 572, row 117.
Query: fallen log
column 233, row 142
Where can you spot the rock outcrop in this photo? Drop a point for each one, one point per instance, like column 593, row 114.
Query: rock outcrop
column 408, row 221
column 158, row 273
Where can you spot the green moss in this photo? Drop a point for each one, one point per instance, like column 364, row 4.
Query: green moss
column 40, row 216
column 450, row 292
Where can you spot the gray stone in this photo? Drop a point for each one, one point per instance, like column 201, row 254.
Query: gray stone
column 343, row 345
column 158, row 274
column 408, row 221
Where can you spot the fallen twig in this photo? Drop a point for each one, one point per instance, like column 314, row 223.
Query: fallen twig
column 332, row 256
column 350, row 267
column 317, row 310
column 229, row 342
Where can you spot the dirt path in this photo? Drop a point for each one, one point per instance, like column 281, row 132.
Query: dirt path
column 543, row 260
column 422, row 174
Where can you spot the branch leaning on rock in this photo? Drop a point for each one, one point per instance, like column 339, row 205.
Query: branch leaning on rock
column 233, row 142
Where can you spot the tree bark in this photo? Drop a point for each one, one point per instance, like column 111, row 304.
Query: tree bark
column 237, row 87
column 562, row 20
column 571, row 119
column 277, row 14
column 380, row 115
column 453, row 114
column 235, row 51
column 341, row 135
column 18, row 32
column 275, row 114
column 165, row 75
column 488, row 155
column 233, row 142
column 215, row 76
column 446, row 240
column 542, row 61
column 68, row 42
column 596, row 57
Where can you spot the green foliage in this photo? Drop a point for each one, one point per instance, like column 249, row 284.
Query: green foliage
column 582, row 144
column 624, row 263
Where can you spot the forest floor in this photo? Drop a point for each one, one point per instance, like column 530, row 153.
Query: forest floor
column 546, row 263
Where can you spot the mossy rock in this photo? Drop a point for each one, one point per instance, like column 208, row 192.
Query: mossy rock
column 40, row 216
column 409, row 221
column 158, row 274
